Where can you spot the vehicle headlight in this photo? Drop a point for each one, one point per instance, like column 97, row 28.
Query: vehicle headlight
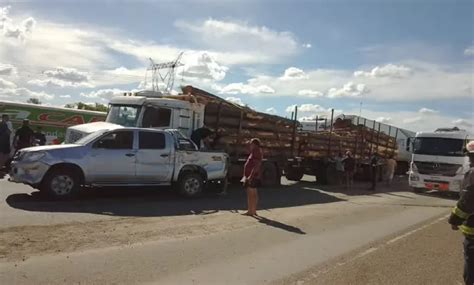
column 414, row 177
column 413, row 167
column 460, row 170
column 33, row 156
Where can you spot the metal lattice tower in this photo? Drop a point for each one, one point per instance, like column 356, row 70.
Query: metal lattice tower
column 163, row 73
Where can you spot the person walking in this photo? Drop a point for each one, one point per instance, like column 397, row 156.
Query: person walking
column 374, row 161
column 349, row 169
column 24, row 136
column 338, row 160
column 251, row 179
column 462, row 218
column 4, row 141
column 390, row 168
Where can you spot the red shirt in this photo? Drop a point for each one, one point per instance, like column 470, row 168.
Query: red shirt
column 254, row 160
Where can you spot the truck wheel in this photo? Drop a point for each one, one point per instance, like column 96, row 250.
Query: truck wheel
column 294, row 174
column 61, row 183
column 190, row 185
column 269, row 174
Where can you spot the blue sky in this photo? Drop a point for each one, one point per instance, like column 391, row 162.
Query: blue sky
column 409, row 62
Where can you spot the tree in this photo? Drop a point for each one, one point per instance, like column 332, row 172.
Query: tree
column 83, row 106
column 34, row 101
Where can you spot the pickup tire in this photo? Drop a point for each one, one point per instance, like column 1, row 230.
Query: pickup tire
column 294, row 174
column 190, row 184
column 61, row 183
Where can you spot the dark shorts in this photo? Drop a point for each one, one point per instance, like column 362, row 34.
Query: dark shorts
column 254, row 183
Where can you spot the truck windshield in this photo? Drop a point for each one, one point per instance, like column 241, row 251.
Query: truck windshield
column 124, row 115
column 439, row 146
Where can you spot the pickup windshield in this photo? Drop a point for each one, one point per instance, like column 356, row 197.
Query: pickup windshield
column 124, row 115
column 90, row 137
column 439, row 146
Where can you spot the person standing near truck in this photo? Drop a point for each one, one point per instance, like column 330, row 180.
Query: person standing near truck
column 349, row 169
column 390, row 169
column 251, row 177
column 374, row 167
column 39, row 136
column 200, row 137
column 462, row 217
column 24, row 136
column 4, row 141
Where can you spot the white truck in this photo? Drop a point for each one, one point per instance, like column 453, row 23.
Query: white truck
column 121, row 156
column 439, row 161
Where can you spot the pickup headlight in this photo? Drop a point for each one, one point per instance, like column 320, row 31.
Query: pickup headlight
column 33, row 156
column 460, row 170
column 414, row 177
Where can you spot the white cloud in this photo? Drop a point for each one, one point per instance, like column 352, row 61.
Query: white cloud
column 6, row 84
column 385, row 120
column 293, row 73
column 203, row 66
column 56, row 83
column 463, row 123
column 271, row 110
column 67, row 74
column 65, row 96
column 24, row 94
column 242, row 88
column 310, row 93
column 104, row 94
column 235, row 100
column 309, row 111
column 307, row 45
column 427, row 111
column 253, row 44
column 12, row 30
column 349, row 89
column 7, row 69
column 469, row 51
column 389, row 70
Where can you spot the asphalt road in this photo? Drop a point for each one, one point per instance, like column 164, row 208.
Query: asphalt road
column 130, row 236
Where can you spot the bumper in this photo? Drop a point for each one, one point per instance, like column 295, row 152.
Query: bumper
column 30, row 173
column 440, row 183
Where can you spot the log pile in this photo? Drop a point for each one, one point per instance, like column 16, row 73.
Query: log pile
column 235, row 125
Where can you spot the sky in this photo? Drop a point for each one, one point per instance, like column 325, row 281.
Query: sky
column 405, row 63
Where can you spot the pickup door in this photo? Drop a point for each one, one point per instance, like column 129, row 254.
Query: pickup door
column 112, row 158
column 154, row 157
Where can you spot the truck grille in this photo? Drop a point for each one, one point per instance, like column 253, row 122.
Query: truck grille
column 433, row 168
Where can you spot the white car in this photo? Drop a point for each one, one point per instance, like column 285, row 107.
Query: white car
column 120, row 157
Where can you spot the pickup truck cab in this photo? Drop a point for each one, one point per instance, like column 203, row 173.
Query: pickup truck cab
column 120, row 157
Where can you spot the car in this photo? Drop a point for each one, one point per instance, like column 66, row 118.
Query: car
column 120, row 157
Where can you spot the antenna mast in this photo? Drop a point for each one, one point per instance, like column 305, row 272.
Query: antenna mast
column 166, row 78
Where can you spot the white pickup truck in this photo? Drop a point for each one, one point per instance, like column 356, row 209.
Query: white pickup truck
column 120, row 157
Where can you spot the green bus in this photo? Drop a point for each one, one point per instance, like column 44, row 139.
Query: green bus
column 53, row 120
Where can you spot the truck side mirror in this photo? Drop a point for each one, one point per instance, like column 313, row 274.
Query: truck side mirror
column 408, row 146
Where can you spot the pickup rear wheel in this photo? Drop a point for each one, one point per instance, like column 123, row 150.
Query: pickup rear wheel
column 190, row 184
column 61, row 183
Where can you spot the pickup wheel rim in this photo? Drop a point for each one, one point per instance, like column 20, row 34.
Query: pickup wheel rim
column 192, row 185
column 62, row 185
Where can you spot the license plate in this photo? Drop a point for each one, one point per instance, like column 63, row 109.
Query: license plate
column 437, row 186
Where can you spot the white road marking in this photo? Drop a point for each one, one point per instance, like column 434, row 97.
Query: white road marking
column 416, row 230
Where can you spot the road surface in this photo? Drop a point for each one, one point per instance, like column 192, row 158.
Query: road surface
column 305, row 233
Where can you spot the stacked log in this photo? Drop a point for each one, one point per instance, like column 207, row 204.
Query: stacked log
column 236, row 125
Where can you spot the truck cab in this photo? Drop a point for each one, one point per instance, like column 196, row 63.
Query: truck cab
column 145, row 109
column 439, row 161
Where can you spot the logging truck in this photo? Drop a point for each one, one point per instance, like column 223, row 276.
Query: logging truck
column 287, row 149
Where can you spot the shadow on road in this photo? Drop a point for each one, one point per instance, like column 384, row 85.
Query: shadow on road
column 279, row 225
column 151, row 202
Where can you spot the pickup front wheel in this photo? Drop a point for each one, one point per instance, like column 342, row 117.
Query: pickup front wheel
column 190, row 185
column 61, row 183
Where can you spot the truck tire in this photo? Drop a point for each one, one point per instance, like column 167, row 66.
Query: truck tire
column 61, row 184
column 270, row 175
column 294, row 174
column 190, row 185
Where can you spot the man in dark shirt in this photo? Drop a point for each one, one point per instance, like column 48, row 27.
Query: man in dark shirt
column 349, row 169
column 374, row 161
column 40, row 137
column 4, row 141
column 200, row 135
column 24, row 136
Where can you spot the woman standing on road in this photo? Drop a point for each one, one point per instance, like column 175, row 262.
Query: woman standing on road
column 251, row 177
